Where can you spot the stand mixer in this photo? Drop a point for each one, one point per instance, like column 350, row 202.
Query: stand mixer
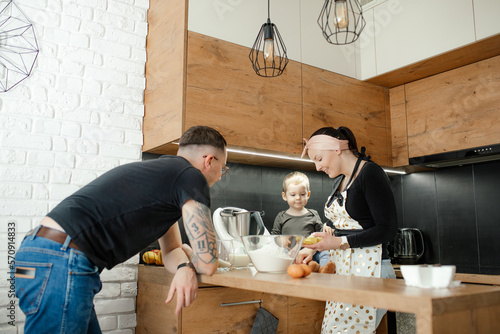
column 231, row 224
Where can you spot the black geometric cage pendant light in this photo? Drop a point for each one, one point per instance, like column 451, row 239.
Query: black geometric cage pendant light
column 268, row 54
column 341, row 21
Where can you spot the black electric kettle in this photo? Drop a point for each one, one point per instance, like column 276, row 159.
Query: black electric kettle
column 408, row 246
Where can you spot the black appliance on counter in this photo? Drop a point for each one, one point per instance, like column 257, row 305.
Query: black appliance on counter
column 408, row 246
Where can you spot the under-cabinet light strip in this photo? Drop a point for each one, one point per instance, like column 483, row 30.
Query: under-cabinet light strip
column 387, row 170
column 268, row 155
column 284, row 157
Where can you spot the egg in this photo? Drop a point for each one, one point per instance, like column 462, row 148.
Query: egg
column 307, row 269
column 295, row 270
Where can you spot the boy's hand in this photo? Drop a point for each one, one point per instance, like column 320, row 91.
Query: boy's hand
column 305, row 255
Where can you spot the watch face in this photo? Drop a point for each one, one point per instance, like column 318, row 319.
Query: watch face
column 187, row 264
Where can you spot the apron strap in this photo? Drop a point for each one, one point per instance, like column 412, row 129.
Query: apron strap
column 354, row 171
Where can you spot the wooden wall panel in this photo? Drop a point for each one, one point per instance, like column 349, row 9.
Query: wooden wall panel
column 398, row 132
column 165, row 73
column 334, row 100
column 250, row 111
column 454, row 110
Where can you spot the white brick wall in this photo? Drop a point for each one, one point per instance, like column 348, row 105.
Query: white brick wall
column 78, row 115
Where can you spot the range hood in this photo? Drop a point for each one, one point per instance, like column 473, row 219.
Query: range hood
column 461, row 157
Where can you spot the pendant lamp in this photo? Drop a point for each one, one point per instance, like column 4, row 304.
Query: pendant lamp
column 268, row 54
column 341, row 21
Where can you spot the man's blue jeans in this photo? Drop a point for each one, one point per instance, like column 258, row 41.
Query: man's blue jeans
column 56, row 286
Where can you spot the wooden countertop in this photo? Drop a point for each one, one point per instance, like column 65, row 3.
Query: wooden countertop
column 467, row 308
column 390, row 294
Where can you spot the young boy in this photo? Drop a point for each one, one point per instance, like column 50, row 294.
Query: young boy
column 297, row 219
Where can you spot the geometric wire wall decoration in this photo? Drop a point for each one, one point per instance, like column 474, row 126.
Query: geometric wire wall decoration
column 18, row 46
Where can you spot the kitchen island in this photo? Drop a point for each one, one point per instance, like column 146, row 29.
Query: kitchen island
column 467, row 308
column 462, row 309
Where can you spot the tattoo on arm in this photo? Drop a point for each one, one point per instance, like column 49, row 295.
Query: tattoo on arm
column 200, row 231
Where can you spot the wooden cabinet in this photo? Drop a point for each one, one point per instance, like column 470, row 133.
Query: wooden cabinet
column 193, row 79
column 250, row 111
column 450, row 111
column 454, row 110
column 334, row 100
column 207, row 315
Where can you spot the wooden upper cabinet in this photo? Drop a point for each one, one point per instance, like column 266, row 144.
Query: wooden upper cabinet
column 250, row 111
column 454, row 110
column 334, row 100
column 193, row 79
column 165, row 74
column 398, row 136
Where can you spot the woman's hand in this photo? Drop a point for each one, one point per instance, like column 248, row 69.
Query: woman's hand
column 305, row 255
column 328, row 229
column 327, row 242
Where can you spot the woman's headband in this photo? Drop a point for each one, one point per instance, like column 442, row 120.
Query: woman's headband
column 325, row 143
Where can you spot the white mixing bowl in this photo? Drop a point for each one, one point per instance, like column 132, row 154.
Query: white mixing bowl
column 272, row 253
column 427, row 276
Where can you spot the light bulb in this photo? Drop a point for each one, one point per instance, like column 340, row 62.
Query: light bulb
column 341, row 19
column 269, row 50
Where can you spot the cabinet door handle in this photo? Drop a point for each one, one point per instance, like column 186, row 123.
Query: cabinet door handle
column 242, row 303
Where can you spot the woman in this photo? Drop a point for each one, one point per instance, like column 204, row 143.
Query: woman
column 362, row 210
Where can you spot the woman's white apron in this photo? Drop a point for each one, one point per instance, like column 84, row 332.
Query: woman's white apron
column 363, row 261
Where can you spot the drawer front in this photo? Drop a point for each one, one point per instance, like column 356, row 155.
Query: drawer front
column 207, row 315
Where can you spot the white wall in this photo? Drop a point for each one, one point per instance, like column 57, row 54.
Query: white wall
column 397, row 33
column 78, row 115
column 239, row 22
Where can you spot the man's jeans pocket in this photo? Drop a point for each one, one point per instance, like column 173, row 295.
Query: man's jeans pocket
column 31, row 281
column 79, row 265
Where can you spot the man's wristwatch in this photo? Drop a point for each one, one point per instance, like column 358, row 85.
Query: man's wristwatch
column 344, row 244
column 188, row 264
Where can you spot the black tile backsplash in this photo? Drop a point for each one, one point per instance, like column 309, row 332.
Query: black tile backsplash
column 417, row 208
column 456, row 208
column 487, row 203
column 458, row 242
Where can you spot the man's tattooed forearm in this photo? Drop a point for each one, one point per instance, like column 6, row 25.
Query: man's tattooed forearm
column 199, row 229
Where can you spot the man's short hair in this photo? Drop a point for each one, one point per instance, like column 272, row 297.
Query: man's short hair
column 202, row 135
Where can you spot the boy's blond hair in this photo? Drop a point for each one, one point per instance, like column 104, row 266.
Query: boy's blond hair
column 295, row 178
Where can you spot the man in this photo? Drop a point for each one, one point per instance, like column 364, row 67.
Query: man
column 110, row 220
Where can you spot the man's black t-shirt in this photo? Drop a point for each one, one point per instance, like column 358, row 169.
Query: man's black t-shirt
column 129, row 207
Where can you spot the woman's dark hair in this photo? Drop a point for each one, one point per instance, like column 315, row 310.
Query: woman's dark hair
column 202, row 135
column 342, row 133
